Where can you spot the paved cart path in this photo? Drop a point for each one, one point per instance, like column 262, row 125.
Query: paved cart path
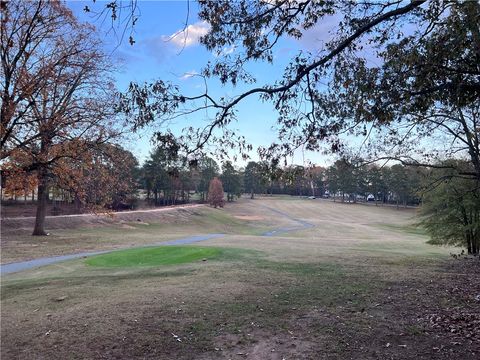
column 30, row 264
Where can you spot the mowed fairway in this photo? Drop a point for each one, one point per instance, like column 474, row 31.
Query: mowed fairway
column 331, row 281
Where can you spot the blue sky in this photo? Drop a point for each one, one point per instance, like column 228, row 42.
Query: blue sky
column 161, row 52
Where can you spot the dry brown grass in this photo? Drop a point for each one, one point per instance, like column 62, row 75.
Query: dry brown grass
column 353, row 287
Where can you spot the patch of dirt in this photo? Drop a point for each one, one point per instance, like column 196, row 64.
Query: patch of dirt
column 260, row 344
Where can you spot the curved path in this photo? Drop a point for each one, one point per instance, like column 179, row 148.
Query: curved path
column 302, row 223
column 30, row 264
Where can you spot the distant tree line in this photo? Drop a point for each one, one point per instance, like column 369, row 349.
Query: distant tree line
column 171, row 179
column 342, row 181
column 168, row 178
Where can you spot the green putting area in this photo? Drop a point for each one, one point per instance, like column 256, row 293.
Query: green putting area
column 155, row 256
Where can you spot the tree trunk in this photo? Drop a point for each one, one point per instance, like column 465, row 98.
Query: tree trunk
column 474, row 243
column 42, row 195
column 77, row 204
column 469, row 246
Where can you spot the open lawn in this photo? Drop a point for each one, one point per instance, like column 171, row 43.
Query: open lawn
column 290, row 279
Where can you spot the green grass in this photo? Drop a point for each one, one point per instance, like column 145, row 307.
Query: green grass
column 170, row 255
column 154, row 256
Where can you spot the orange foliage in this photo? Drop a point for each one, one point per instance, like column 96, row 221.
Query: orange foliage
column 215, row 193
column 17, row 182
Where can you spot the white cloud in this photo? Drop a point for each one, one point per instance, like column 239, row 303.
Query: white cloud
column 190, row 35
column 164, row 46
column 227, row 50
column 188, row 75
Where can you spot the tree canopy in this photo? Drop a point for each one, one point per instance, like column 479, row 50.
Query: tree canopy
column 451, row 209
column 337, row 89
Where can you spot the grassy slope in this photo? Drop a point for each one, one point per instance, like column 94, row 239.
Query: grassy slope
column 18, row 247
column 343, row 289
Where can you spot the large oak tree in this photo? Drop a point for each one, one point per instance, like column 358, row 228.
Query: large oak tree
column 56, row 92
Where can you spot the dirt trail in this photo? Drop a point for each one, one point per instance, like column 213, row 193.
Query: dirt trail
column 25, row 224
column 115, row 214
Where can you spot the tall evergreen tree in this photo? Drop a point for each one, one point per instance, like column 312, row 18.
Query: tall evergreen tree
column 231, row 181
